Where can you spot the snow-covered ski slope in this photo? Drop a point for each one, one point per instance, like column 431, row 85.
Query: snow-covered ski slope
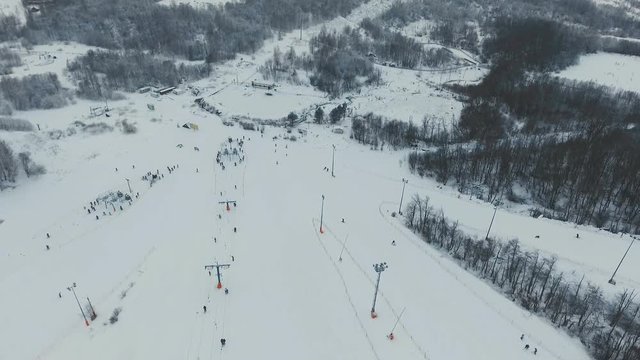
column 289, row 296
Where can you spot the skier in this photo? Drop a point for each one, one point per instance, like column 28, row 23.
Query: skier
column 226, row 291
column 60, row 295
column 343, row 220
column 233, row 258
column 577, row 236
column 535, row 351
column 48, row 236
column 526, row 347
column 223, row 341
column 522, row 337
column 204, row 308
column 47, row 247
column 235, row 230
column 393, row 243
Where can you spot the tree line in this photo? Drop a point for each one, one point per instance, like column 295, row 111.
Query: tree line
column 609, row 20
column 213, row 33
column 591, row 178
column 378, row 131
column 609, row 328
column 8, row 60
column 39, row 91
column 100, row 73
column 10, row 164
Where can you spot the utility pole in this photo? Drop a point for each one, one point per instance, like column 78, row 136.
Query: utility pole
column 493, row 217
column 379, row 268
column 404, row 183
column 391, row 336
column 321, row 215
column 228, row 202
column 217, row 267
column 72, row 289
column 333, row 158
column 129, row 185
column 611, row 281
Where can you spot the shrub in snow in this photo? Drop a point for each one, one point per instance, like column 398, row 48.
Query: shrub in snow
column 8, row 164
column 114, row 316
column 128, row 128
column 97, row 128
column 29, row 166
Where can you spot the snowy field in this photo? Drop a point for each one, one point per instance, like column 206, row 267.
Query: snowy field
column 614, row 70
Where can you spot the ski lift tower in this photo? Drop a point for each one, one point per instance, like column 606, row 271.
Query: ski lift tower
column 217, row 267
column 228, row 202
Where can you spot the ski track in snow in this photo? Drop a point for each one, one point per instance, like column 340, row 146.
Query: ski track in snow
column 371, row 281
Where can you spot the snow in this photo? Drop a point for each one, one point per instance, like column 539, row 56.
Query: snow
column 614, row 70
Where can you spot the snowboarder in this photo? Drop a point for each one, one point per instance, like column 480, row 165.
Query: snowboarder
column 204, row 308
column 223, row 341
column 526, row 347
